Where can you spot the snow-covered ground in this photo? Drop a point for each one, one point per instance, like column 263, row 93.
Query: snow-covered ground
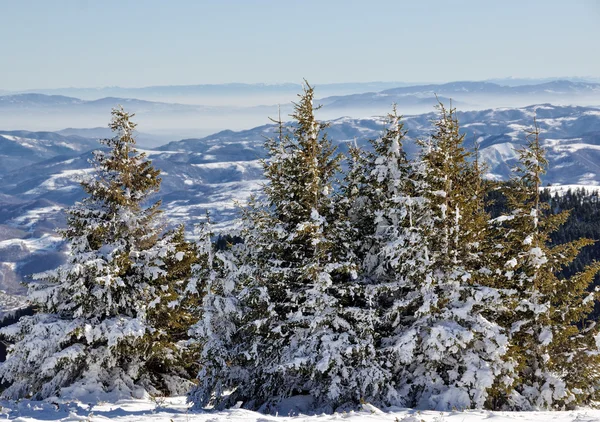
column 176, row 410
column 562, row 189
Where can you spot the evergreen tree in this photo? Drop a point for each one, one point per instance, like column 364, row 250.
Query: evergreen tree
column 171, row 355
column 216, row 278
column 89, row 337
column 300, row 333
column 382, row 212
column 447, row 352
column 552, row 342
column 381, row 203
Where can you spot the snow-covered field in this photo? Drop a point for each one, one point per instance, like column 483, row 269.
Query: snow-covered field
column 176, row 410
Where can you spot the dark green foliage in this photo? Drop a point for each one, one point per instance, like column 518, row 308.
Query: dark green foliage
column 583, row 221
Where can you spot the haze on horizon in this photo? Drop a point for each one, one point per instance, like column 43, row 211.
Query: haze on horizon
column 83, row 43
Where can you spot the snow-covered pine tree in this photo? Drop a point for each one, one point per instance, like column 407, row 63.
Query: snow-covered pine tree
column 553, row 345
column 382, row 211
column 299, row 334
column 379, row 211
column 448, row 353
column 171, row 356
column 89, row 337
column 216, row 277
column 376, row 189
column 385, row 218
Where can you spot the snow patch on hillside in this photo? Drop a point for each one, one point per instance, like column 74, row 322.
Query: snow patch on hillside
column 499, row 153
column 40, row 144
column 31, row 217
column 562, row 189
column 66, row 179
column 45, row 242
column 240, row 166
column 575, row 147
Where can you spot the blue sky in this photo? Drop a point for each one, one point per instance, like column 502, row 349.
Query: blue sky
column 86, row 43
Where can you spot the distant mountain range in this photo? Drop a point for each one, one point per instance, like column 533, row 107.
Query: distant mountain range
column 457, row 88
column 470, row 95
column 260, row 89
column 210, row 91
column 516, row 81
column 40, row 171
column 400, row 95
column 164, row 121
column 143, row 139
column 56, row 103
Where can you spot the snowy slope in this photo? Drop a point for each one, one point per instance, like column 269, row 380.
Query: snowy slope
column 21, row 148
column 175, row 410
